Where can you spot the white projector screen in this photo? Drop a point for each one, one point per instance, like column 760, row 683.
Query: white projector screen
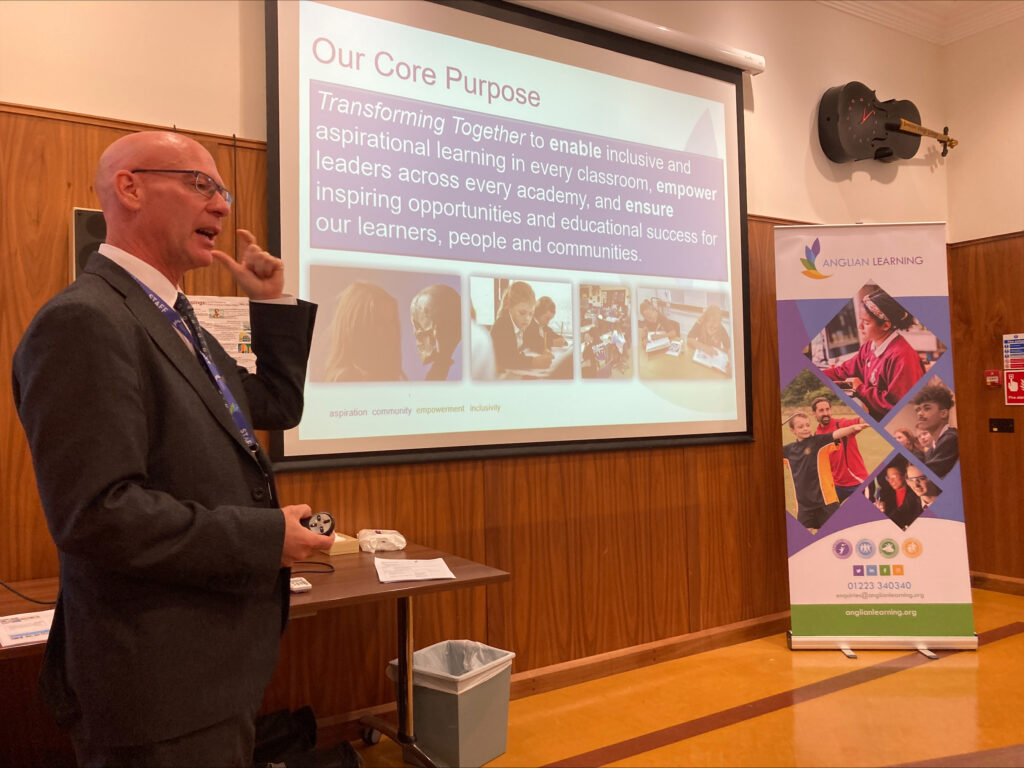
column 523, row 234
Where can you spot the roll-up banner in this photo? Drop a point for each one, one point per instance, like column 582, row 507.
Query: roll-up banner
column 874, row 510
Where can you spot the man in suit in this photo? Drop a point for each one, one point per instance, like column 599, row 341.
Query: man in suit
column 174, row 551
column 925, row 489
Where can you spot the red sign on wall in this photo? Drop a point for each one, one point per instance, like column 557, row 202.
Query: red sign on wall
column 1014, row 387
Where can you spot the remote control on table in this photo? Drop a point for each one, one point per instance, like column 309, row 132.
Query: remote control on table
column 299, row 584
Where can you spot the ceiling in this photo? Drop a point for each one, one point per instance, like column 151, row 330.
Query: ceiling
column 937, row 21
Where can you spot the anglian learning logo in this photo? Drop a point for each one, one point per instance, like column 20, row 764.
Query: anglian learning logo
column 811, row 254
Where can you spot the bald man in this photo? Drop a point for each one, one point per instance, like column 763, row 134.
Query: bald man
column 174, row 551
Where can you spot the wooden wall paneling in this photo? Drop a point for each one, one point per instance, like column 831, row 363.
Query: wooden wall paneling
column 244, row 171
column 771, row 593
column 985, row 302
column 542, row 531
column 737, row 541
column 500, row 535
column 740, row 565
column 437, row 504
column 634, row 575
column 594, row 547
column 662, row 586
column 249, row 180
column 30, row 272
column 44, row 172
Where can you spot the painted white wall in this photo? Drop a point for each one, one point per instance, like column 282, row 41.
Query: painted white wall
column 984, row 77
column 809, row 48
column 200, row 64
column 197, row 64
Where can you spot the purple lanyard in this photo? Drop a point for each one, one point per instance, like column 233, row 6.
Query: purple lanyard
column 214, row 373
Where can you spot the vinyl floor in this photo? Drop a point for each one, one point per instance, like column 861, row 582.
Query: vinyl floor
column 759, row 704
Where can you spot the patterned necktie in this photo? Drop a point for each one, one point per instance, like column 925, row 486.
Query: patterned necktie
column 184, row 308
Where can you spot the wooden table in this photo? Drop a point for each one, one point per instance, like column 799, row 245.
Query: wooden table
column 353, row 581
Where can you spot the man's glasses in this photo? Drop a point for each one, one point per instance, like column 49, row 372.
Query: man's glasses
column 916, row 479
column 203, row 182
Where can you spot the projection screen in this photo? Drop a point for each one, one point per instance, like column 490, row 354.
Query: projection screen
column 523, row 234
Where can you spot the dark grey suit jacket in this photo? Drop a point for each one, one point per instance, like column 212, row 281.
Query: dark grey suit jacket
column 172, row 598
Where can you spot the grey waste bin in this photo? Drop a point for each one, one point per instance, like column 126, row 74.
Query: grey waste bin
column 460, row 701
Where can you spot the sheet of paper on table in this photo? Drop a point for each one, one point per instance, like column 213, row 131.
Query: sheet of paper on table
column 25, row 628
column 411, row 570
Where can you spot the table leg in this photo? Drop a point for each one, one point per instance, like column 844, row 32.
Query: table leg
column 405, row 733
column 406, row 727
column 411, row 753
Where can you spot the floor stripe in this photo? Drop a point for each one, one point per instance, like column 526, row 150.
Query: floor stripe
column 1008, row 757
column 726, row 717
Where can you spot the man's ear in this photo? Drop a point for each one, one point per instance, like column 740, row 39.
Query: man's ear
column 127, row 189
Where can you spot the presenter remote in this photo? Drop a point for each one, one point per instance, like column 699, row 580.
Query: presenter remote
column 299, row 584
column 321, row 522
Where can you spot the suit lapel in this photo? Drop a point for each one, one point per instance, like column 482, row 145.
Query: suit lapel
column 174, row 348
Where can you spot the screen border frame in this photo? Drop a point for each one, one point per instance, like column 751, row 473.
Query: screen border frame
column 589, row 35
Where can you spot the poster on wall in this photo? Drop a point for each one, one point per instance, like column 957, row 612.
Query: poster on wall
column 874, row 510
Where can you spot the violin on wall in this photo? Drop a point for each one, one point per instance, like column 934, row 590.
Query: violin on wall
column 854, row 125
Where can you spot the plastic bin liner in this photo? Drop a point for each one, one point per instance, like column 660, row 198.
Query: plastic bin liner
column 454, row 666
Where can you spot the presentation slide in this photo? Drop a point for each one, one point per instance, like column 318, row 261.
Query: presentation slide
column 514, row 238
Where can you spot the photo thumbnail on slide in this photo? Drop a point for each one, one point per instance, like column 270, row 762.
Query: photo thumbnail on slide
column 528, row 324
column 606, row 332
column 684, row 333
column 380, row 325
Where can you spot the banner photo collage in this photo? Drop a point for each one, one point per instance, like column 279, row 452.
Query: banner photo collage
column 874, row 510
